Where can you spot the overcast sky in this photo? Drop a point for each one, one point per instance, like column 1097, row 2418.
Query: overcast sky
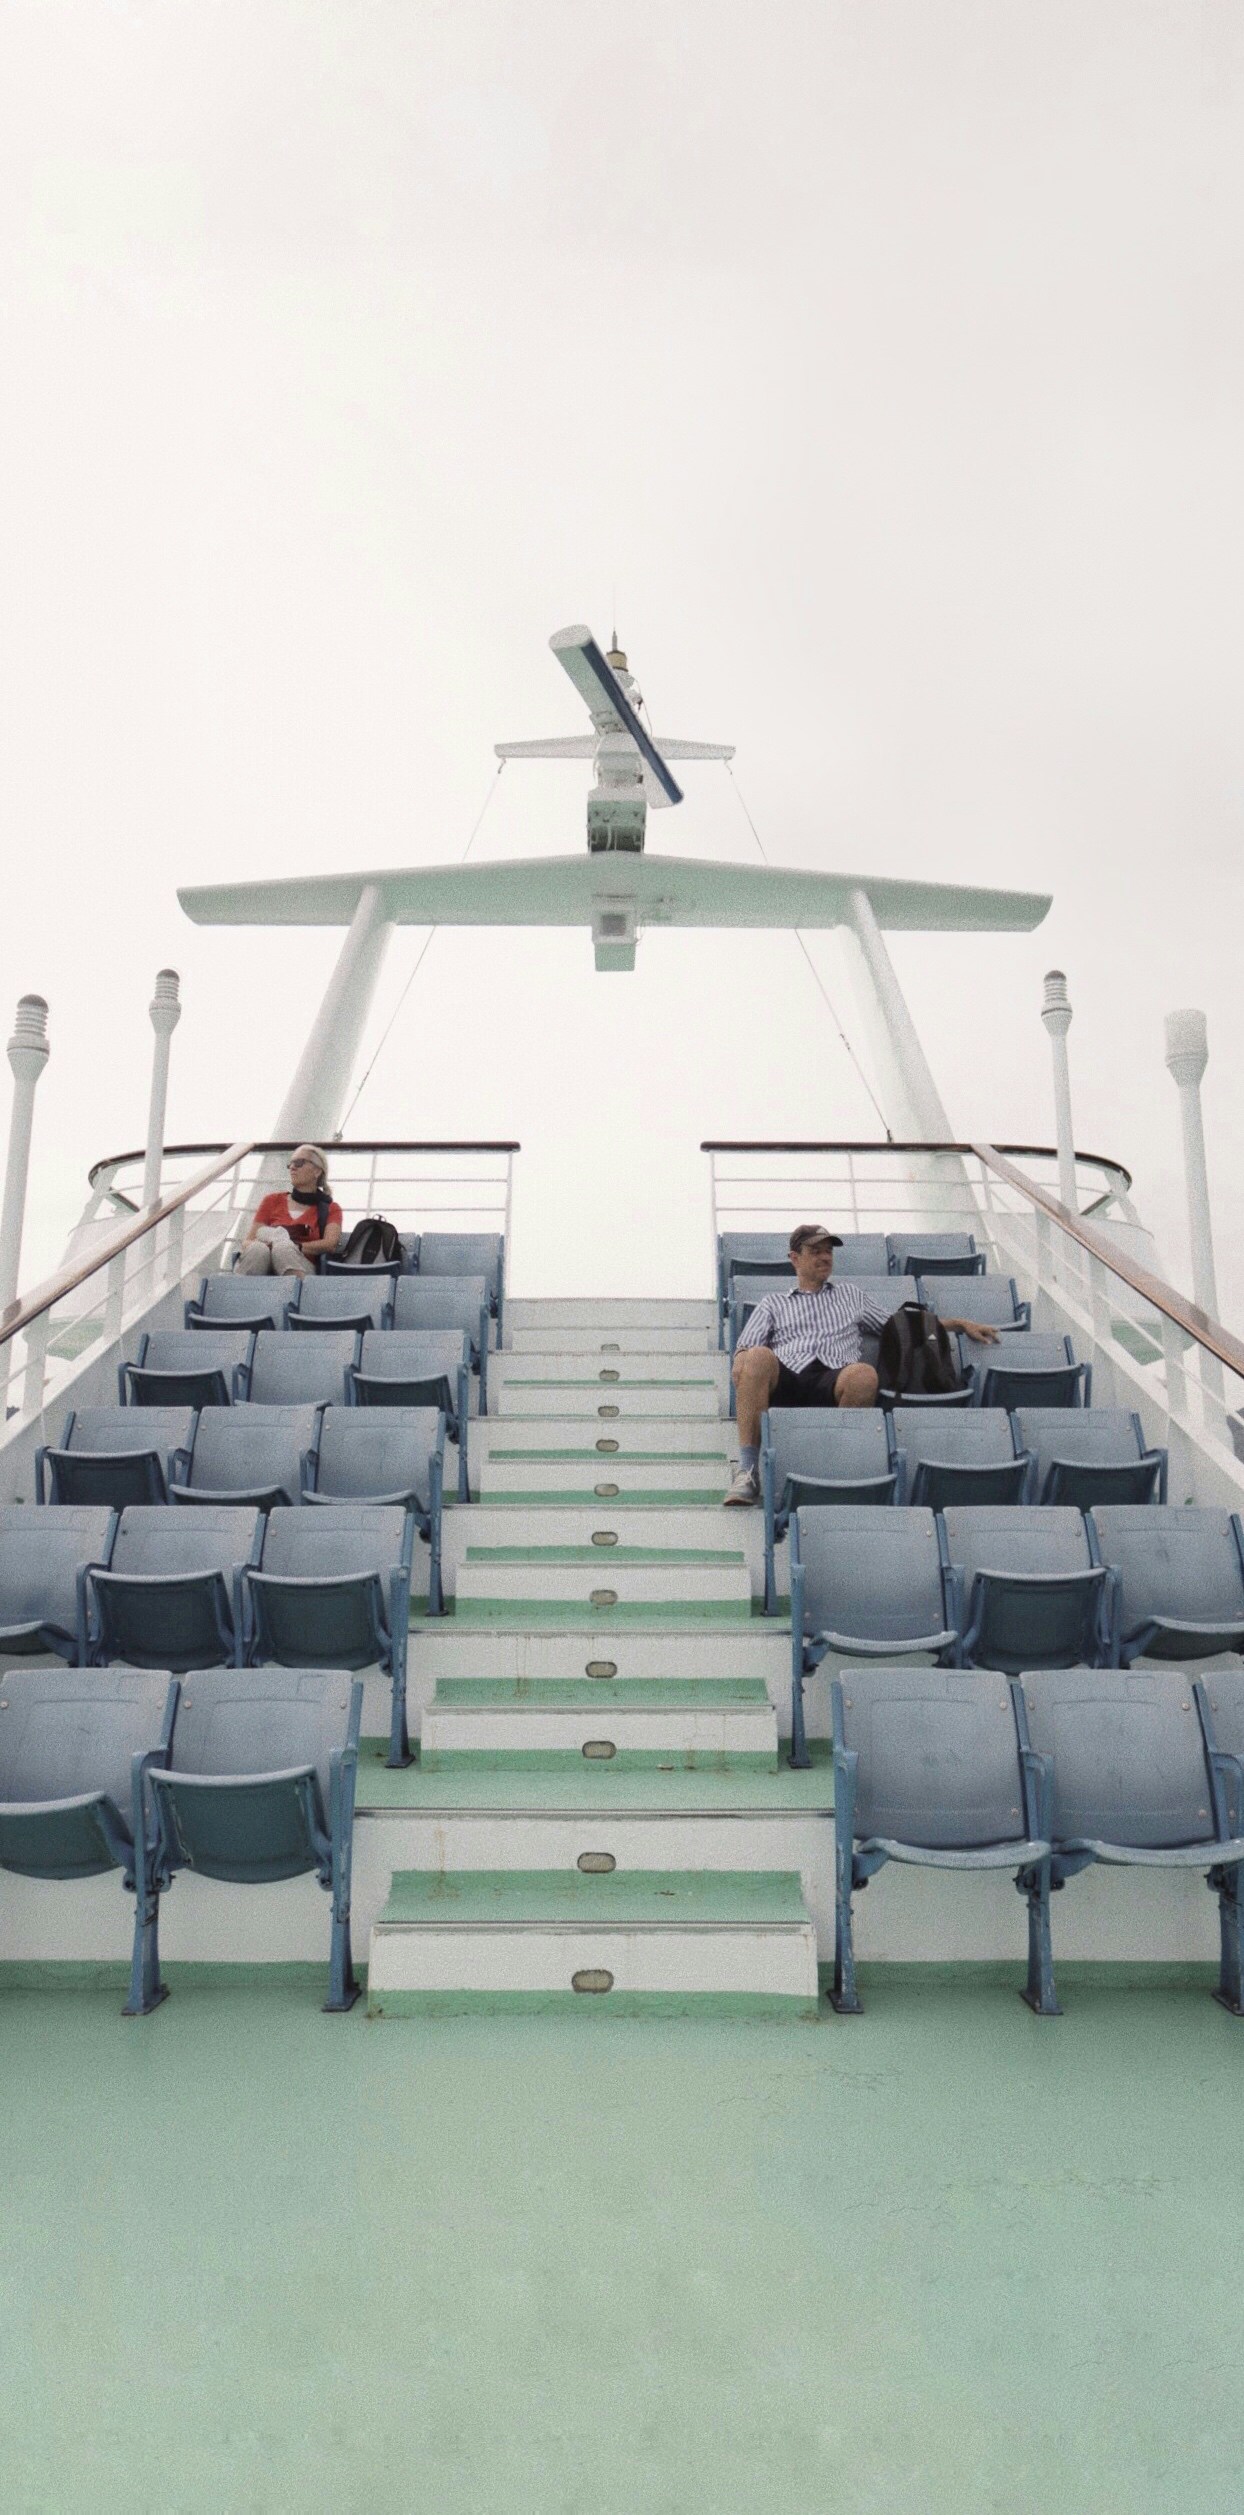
column 884, row 357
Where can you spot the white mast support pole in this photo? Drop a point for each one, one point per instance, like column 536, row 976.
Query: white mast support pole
column 165, row 1011
column 28, row 1054
column 311, row 1109
column 1187, row 1055
column 1056, row 1015
column 938, row 1186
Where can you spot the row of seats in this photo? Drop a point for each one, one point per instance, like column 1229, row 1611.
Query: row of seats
column 1028, row 1367
column 269, row 1456
column 441, row 1253
column 860, row 1253
column 992, row 1299
column 1011, row 1587
column 912, row 1453
column 339, row 1367
column 1055, row 1772
column 159, row 1587
column 246, row 1777
column 361, row 1300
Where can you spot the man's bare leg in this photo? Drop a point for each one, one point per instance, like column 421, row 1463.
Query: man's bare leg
column 856, row 1386
column 755, row 1378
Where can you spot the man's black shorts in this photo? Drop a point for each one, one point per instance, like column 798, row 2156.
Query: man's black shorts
column 813, row 1386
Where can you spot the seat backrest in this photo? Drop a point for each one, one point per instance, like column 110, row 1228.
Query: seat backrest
column 874, row 1574
column 354, row 1296
column 938, row 1756
column 463, row 1253
column 408, row 1353
column 906, row 1248
column 378, row 1449
column 1098, row 1436
column 302, row 1370
column 40, row 1551
column 1014, row 1537
column 990, row 1299
column 201, row 1349
column 342, row 1537
column 1029, row 1349
column 828, row 1441
column 1174, row 1562
column 242, row 1448
column 1128, row 1755
column 769, row 1247
column 862, row 1253
column 261, row 1720
column 65, row 1734
column 236, row 1296
column 95, row 1431
column 164, row 1537
column 439, row 1300
column 960, row 1436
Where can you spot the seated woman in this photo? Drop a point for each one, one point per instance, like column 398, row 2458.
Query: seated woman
column 289, row 1232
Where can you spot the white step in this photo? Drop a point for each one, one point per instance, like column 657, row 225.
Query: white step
column 605, row 1343
column 440, row 1651
column 559, row 1579
column 609, row 1441
column 609, row 1316
column 735, row 1940
column 602, row 1403
column 641, row 1368
column 729, row 1723
column 591, row 1478
column 607, row 1532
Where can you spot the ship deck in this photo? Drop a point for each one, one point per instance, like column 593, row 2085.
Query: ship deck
column 939, row 2257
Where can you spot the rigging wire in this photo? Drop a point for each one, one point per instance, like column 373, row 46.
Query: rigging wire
column 811, row 963
column 420, row 958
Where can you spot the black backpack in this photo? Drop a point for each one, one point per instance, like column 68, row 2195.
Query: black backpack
column 915, row 1357
column 373, row 1242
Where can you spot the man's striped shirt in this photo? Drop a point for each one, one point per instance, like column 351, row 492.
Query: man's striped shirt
column 825, row 1326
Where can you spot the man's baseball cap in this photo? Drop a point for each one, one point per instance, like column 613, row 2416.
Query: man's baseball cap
column 814, row 1236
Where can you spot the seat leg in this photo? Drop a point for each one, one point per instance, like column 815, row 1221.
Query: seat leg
column 399, row 1735
column 147, row 1989
column 844, row 1996
column 1038, row 1991
column 1230, row 1991
column 799, row 1758
column 343, row 1985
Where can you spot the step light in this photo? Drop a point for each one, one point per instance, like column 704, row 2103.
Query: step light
column 605, row 1493
column 604, row 1536
column 605, row 1445
column 603, row 1598
column 601, row 1668
column 609, row 1375
column 592, row 1978
column 599, row 1751
column 602, row 1411
column 596, row 1864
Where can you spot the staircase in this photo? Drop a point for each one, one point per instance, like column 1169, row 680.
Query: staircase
column 599, row 1729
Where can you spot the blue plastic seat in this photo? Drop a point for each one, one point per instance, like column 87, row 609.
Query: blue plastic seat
column 991, row 1300
column 1090, row 1454
column 1139, row 1781
column 358, row 1297
column 116, row 1454
column 75, row 1750
column 419, row 1367
column 467, row 1253
column 260, row 1787
column 968, row 1454
column 333, row 1591
column 303, row 1370
column 1032, row 1368
column 826, row 1454
column 43, row 1556
column 934, row 1253
column 1031, row 1588
column 234, row 1300
column 1179, row 1576
column 171, row 1594
column 261, row 1455
column 189, row 1367
column 930, row 1771
column 447, row 1301
column 385, row 1454
column 864, row 1584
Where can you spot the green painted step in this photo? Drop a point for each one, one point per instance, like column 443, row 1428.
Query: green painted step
column 592, row 1790
column 643, row 1694
column 627, row 1899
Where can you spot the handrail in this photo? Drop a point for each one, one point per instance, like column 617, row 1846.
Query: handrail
column 1186, row 1315
column 286, row 1143
column 1029, row 1152
column 21, row 1314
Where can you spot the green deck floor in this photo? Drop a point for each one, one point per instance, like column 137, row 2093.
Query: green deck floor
column 941, row 2260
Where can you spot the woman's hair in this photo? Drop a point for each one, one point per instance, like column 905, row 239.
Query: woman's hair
column 311, row 1152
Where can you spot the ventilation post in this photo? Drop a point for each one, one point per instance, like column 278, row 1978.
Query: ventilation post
column 165, row 1011
column 1056, row 1015
column 28, row 1054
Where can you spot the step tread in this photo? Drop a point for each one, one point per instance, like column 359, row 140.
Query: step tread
column 591, row 1790
column 571, row 1557
column 496, row 1457
column 640, row 1498
column 606, row 1696
column 652, row 1899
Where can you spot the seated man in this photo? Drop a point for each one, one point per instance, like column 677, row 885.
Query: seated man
column 288, row 1233
column 805, row 1348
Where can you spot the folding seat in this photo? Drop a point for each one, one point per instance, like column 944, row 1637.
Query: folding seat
column 1029, row 1586
column 934, row 1253
column 1032, row 1369
column 966, row 1455
column 419, row 1367
column 258, row 1455
column 1178, row 1577
column 1089, row 1454
column 259, row 1786
column 233, row 1300
column 303, row 1370
column 189, row 1367
column 333, row 1591
column 360, row 1297
column 827, row 1454
column 991, row 1299
column 464, row 1253
column 44, row 1555
column 865, row 1584
column 116, row 1454
column 171, row 1594
column 1140, row 1780
column 929, row 1770
column 383, row 1454
column 74, row 1753
column 445, row 1301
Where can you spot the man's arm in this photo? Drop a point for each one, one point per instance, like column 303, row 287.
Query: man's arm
column 979, row 1334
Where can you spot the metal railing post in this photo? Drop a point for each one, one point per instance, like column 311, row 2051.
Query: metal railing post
column 1187, row 1055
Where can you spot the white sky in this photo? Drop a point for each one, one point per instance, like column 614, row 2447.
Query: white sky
column 886, row 357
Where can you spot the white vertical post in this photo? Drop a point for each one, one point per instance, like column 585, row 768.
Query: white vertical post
column 312, row 1105
column 1187, row 1055
column 165, row 1011
column 1056, row 1015
column 28, row 1054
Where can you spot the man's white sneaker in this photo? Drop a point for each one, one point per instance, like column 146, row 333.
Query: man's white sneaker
column 745, row 1487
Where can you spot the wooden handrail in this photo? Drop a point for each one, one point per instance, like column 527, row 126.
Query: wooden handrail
column 286, row 1143
column 1162, row 1297
column 21, row 1314
column 1026, row 1152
